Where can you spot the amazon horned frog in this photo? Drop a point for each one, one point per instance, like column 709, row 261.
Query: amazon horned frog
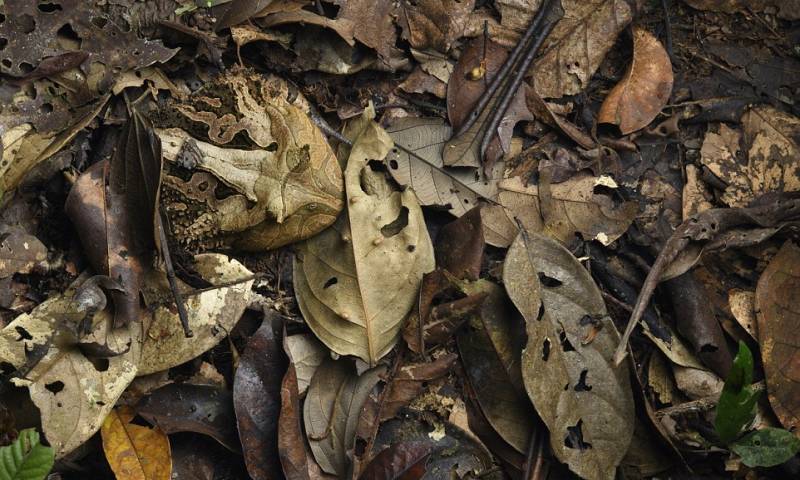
column 245, row 167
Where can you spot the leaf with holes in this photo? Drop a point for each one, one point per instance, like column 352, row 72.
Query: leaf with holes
column 767, row 447
column 26, row 458
column 356, row 281
column 583, row 399
column 331, row 412
column 416, row 161
column 135, row 452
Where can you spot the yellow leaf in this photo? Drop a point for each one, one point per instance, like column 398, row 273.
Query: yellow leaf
column 133, row 451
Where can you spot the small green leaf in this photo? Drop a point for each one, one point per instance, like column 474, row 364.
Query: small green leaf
column 736, row 406
column 767, row 447
column 26, row 458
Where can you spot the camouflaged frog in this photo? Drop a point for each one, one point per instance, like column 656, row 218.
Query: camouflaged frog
column 245, row 167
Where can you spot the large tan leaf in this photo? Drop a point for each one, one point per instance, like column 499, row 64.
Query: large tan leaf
column 578, row 44
column 765, row 157
column 331, row 412
column 568, row 208
column 135, row 452
column 416, row 161
column 778, row 318
column 644, row 90
column 356, row 282
column 583, row 398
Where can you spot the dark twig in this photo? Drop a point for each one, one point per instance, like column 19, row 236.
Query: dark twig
column 515, row 82
column 502, row 74
column 173, row 285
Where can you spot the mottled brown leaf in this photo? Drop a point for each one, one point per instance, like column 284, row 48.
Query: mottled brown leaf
column 409, row 382
column 402, row 461
column 459, row 246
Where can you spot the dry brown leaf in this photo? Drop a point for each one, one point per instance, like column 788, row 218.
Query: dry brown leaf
column 585, row 401
column 766, row 157
column 578, row 44
column 382, row 242
column 19, row 252
column 644, row 90
column 434, row 24
column 787, row 9
column 696, row 197
column 776, row 309
column 743, row 307
column 135, row 452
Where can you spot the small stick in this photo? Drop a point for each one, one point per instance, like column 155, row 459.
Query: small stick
column 173, row 285
column 501, row 75
column 515, row 83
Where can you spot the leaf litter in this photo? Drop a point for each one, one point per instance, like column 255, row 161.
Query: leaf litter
column 398, row 240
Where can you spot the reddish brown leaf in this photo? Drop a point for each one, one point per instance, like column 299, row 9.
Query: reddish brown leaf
column 408, row 383
column 459, row 246
column 402, row 461
column 257, row 401
column 636, row 100
column 776, row 309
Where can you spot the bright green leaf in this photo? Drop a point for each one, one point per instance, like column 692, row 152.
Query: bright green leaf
column 26, row 458
column 736, row 407
column 767, row 447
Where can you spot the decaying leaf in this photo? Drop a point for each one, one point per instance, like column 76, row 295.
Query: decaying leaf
column 416, row 161
column 460, row 244
column 409, row 381
column 434, row 24
column 578, row 44
column 135, row 452
column 644, row 90
column 569, row 208
column 490, row 349
column 777, row 332
column 331, row 412
column 257, row 400
column 583, row 398
column 382, row 241
column 762, row 158
column 184, row 407
column 399, row 462
column 19, row 251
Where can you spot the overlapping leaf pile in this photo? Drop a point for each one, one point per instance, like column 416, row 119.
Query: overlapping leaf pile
column 382, row 240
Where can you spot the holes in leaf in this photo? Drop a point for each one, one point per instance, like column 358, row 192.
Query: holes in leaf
column 26, row 23
column 546, row 349
column 99, row 364
column 23, row 334
column 6, row 368
column 395, row 226
column 394, row 165
column 25, row 67
column 411, row 248
column 46, row 108
column 99, row 22
column 3, row 43
column 272, row 147
column 540, row 315
column 331, row 282
column 49, row 7
column 566, row 345
column 582, row 386
column 55, row 387
column 549, row 282
column 68, row 38
column 7, row 63
column 708, row 348
column 574, row 438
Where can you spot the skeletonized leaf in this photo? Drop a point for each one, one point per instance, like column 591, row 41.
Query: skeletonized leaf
column 331, row 412
column 776, row 311
column 133, row 451
column 26, row 458
column 416, row 161
column 567, row 369
column 644, row 90
column 381, row 242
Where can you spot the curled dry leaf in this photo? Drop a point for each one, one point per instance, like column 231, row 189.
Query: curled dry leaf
column 416, row 161
column 490, row 349
column 331, row 412
column 183, row 407
column 19, row 251
column 382, row 242
column 644, row 90
column 777, row 332
column 585, row 401
column 135, row 452
column 763, row 158
column 257, row 400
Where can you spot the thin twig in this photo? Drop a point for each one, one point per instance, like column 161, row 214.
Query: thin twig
column 173, row 284
column 500, row 76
